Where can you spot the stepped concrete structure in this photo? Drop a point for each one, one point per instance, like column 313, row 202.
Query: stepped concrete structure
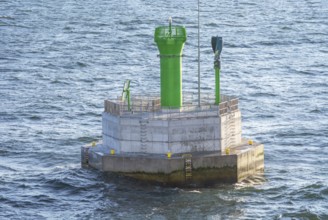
column 171, row 138
column 155, row 144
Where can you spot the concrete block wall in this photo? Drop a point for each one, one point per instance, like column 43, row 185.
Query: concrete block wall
column 178, row 135
column 111, row 132
column 194, row 146
column 230, row 130
column 194, row 134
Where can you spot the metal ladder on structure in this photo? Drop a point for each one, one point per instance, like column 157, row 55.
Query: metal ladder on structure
column 232, row 129
column 227, row 133
column 143, row 134
column 188, row 167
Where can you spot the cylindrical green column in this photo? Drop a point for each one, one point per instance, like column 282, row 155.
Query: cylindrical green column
column 217, row 85
column 170, row 41
column 217, row 45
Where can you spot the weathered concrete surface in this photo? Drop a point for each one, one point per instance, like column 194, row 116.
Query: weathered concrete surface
column 153, row 134
column 207, row 167
column 250, row 160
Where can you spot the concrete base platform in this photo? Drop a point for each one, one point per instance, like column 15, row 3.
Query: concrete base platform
column 196, row 169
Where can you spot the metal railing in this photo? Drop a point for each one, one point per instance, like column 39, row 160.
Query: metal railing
column 150, row 107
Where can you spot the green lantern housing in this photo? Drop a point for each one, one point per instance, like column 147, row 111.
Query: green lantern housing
column 170, row 41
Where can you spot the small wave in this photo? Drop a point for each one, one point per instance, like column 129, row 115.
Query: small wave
column 4, row 24
column 35, row 118
column 7, row 117
column 247, row 3
column 194, row 191
column 228, row 199
column 316, row 111
column 86, row 139
column 324, row 191
column 57, row 81
column 59, row 184
column 291, row 134
column 312, row 196
column 2, row 167
column 264, row 94
column 8, row 58
column 4, row 152
column 20, row 203
column 312, row 192
column 13, row 78
column 212, row 24
column 302, row 214
column 67, row 28
column 7, row 17
column 251, row 181
column 231, row 45
column 44, row 198
column 87, row 80
column 80, row 64
column 286, row 28
column 305, row 73
column 50, row 66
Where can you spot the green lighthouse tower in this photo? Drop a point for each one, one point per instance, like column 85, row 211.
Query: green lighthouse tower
column 170, row 41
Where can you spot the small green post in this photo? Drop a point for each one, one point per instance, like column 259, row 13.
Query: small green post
column 170, row 41
column 126, row 94
column 217, row 84
column 217, row 48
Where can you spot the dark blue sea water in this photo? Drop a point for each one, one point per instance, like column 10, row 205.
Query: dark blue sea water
column 60, row 59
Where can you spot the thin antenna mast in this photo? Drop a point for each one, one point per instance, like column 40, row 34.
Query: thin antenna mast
column 198, row 59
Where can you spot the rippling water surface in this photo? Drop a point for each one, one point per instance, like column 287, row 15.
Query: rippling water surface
column 60, row 59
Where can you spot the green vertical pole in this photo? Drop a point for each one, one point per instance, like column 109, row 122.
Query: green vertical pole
column 170, row 41
column 217, row 85
column 217, row 48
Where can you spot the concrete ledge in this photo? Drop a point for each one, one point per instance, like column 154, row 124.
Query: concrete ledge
column 207, row 167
